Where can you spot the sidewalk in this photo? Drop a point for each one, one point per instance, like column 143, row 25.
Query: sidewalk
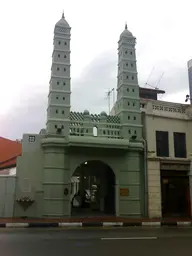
column 94, row 222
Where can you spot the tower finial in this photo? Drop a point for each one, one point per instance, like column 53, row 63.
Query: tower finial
column 125, row 25
column 63, row 17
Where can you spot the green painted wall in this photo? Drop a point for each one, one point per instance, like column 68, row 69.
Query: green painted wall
column 129, row 177
column 29, row 176
column 55, row 179
column 49, row 170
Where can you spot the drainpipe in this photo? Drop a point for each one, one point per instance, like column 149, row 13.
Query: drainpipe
column 142, row 140
column 190, row 184
column 145, row 165
column 145, row 178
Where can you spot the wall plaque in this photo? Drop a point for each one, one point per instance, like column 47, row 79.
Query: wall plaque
column 124, row 192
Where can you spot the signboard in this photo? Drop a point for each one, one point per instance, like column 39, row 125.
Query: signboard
column 175, row 167
column 124, row 192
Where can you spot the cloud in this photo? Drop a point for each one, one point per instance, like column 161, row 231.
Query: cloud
column 28, row 115
column 88, row 92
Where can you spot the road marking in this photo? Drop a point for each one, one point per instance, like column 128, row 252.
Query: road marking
column 111, row 224
column 129, row 238
column 158, row 224
column 17, row 225
column 184, row 223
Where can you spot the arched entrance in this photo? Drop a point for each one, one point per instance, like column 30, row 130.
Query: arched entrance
column 93, row 189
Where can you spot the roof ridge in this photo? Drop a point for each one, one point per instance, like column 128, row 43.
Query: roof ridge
column 15, row 141
column 9, row 159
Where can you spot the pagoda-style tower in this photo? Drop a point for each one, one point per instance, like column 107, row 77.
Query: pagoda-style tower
column 58, row 110
column 128, row 101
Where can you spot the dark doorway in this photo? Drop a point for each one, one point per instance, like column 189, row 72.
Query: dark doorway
column 175, row 194
column 93, row 189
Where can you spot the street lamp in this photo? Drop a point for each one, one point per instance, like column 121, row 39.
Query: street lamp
column 187, row 98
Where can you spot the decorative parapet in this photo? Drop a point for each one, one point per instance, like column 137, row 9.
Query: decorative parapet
column 84, row 124
column 166, row 109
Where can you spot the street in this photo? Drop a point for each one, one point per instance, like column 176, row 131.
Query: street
column 96, row 241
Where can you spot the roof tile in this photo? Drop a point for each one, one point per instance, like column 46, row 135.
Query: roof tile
column 9, row 150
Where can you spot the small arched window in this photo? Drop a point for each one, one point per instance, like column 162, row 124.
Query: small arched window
column 95, row 131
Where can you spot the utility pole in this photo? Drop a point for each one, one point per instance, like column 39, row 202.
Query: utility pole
column 110, row 91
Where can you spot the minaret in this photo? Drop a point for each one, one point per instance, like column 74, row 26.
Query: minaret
column 58, row 110
column 128, row 100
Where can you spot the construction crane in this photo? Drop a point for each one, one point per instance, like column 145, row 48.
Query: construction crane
column 149, row 76
column 158, row 81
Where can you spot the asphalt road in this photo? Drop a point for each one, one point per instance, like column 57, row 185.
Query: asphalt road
column 94, row 242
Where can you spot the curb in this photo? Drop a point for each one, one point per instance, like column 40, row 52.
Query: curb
column 95, row 224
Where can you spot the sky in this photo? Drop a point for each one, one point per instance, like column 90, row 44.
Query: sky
column 164, row 40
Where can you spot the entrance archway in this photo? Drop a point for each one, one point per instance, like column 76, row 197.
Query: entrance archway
column 93, row 189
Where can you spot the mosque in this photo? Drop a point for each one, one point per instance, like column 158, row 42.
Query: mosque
column 95, row 160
